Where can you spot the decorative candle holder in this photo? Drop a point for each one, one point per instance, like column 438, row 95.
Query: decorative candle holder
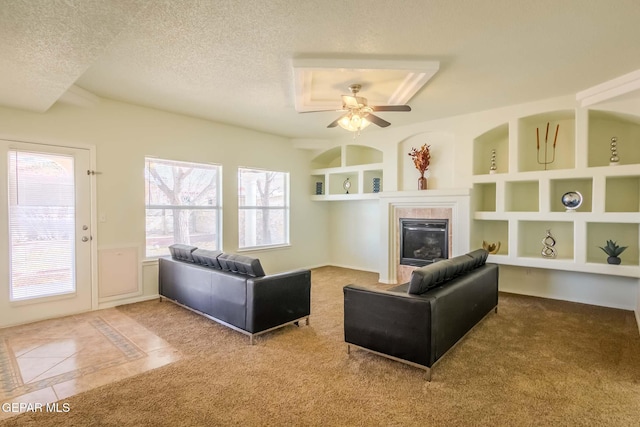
column 614, row 159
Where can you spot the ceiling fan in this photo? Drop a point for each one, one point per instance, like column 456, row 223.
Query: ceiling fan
column 358, row 113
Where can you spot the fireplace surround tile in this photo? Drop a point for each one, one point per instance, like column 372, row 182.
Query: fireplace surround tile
column 451, row 204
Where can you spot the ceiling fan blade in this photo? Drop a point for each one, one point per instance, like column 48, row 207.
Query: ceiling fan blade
column 377, row 120
column 391, row 108
column 321, row 111
column 335, row 122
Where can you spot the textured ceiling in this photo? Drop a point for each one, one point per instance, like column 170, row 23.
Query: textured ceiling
column 231, row 61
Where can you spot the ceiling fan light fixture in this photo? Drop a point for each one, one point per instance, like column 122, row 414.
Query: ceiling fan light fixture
column 353, row 122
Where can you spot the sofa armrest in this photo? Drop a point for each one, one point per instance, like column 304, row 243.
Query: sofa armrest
column 460, row 305
column 277, row 299
column 392, row 323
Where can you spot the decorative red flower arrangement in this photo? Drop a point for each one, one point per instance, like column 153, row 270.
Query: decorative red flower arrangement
column 421, row 158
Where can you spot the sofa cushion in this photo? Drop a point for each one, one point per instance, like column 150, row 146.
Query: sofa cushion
column 207, row 258
column 182, row 252
column 241, row 264
column 430, row 276
column 438, row 273
column 479, row 257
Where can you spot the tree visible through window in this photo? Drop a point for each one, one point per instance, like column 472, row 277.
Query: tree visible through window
column 182, row 205
column 263, row 208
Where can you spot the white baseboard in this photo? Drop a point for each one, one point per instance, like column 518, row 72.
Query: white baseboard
column 311, row 267
column 115, row 303
column 341, row 266
column 350, row 267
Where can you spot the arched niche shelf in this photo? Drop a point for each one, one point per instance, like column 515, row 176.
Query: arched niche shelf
column 546, row 141
column 360, row 165
column 483, row 151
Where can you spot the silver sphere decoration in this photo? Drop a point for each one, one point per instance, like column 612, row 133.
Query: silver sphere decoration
column 614, row 159
column 493, row 167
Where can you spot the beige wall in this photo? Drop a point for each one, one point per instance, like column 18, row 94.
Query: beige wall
column 124, row 134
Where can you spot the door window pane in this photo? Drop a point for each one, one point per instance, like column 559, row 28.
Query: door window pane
column 41, row 224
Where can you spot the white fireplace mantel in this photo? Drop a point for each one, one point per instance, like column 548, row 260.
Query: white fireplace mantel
column 458, row 200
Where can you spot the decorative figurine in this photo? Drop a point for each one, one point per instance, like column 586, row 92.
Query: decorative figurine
column 493, row 169
column 614, row 159
column 548, row 243
column 376, row 185
column 546, row 161
column 492, row 248
column 346, row 185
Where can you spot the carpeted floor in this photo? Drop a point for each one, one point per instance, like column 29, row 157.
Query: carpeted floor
column 536, row 362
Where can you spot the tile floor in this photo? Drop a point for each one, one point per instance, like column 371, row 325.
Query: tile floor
column 48, row 361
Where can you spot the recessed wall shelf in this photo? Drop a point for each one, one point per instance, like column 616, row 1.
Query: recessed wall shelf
column 558, row 187
column 522, row 200
column 622, row 194
column 521, row 196
column 531, row 148
column 532, row 233
column 484, row 199
column 496, row 139
column 605, row 125
column 359, row 164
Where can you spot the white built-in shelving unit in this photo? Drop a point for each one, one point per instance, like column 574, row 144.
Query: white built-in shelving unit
column 521, row 200
column 358, row 163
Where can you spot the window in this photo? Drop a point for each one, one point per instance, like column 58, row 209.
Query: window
column 41, row 225
column 263, row 208
column 183, row 205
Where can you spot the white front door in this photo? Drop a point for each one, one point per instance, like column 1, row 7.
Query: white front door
column 45, row 232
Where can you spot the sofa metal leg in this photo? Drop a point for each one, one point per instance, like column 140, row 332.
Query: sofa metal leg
column 251, row 340
column 306, row 320
column 496, row 309
column 428, row 374
column 348, row 349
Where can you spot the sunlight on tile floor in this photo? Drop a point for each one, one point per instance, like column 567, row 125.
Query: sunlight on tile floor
column 48, row 361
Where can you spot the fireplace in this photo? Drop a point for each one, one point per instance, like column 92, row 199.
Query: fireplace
column 422, row 241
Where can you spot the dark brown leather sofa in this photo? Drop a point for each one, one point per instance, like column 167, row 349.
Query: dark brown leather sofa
column 419, row 321
column 233, row 289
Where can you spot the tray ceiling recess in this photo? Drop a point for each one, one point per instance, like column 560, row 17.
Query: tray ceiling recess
column 319, row 83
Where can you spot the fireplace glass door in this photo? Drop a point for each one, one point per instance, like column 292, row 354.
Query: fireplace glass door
column 423, row 241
